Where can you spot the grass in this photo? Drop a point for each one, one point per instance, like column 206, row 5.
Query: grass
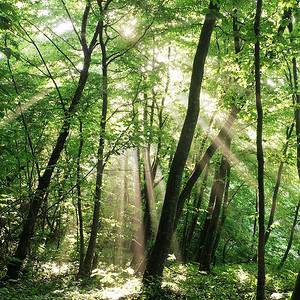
column 180, row 282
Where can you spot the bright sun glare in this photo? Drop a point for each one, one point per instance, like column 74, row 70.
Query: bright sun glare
column 62, row 27
column 129, row 30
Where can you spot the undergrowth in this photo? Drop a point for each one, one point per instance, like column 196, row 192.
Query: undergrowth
column 236, row 281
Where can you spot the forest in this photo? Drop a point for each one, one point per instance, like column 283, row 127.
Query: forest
column 149, row 149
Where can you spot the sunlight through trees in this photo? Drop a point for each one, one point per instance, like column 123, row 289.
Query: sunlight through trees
column 149, row 149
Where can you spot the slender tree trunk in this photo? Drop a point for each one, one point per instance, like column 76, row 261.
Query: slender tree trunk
column 291, row 237
column 260, row 295
column 195, row 216
column 185, row 228
column 14, row 265
column 79, row 205
column 159, row 252
column 138, row 241
column 225, row 203
column 87, row 265
column 296, row 292
column 224, row 249
column 150, row 192
column 276, row 189
column 205, row 257
column 209, row 212
column 150, row 218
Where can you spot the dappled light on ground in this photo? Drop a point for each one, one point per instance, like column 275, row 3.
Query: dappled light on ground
column 179, row 282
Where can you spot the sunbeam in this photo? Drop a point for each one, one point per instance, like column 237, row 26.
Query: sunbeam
column 138, row 240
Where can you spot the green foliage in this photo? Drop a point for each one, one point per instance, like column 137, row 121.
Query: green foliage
column 148, row 87
column 179, row 282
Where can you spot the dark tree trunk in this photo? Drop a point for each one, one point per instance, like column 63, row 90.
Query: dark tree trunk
column 225, row 203
column 138, row 242
column 185, row 229
column 260, row 295
column 159, row 252
column 209, row 212
column 291, row 238
column 276, row 189
column 195, row 215
column 205, row 257
column 296, row 292
column 14, row 265
column 79, row 196
column 224, row 249
column 255, row 217
column 87, row 265
column 150, row 218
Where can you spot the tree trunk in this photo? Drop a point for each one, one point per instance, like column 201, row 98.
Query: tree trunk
column 276, row 189
column 205, row 257
column 150, row 205
column 296, row 292
column 87, row 265
column 138, row 241
column 210, row 208
column 225, row 203
column 159, row 252
column 193, row 222
column 260, row 294
column 185, row 229
column 291, row 238
column 79, row 206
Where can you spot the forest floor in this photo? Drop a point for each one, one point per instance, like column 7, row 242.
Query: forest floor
column 180, row 282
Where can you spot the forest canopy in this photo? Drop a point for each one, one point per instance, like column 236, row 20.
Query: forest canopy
column 156, row 142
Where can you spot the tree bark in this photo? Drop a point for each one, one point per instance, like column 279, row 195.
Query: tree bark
column 291, row 238
column 209, row 212
column 159, row 252
column 205, row 256
column 87, row 265
column 276, row 189
column 138, row 241
column 225, row 204
column 260, row 293
column 193, row 222
column 296, row 292
column 79, row 205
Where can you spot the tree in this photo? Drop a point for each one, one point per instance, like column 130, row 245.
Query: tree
column 260, row 160
column 209, row 235
column 21, row 252
column 159, row 252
